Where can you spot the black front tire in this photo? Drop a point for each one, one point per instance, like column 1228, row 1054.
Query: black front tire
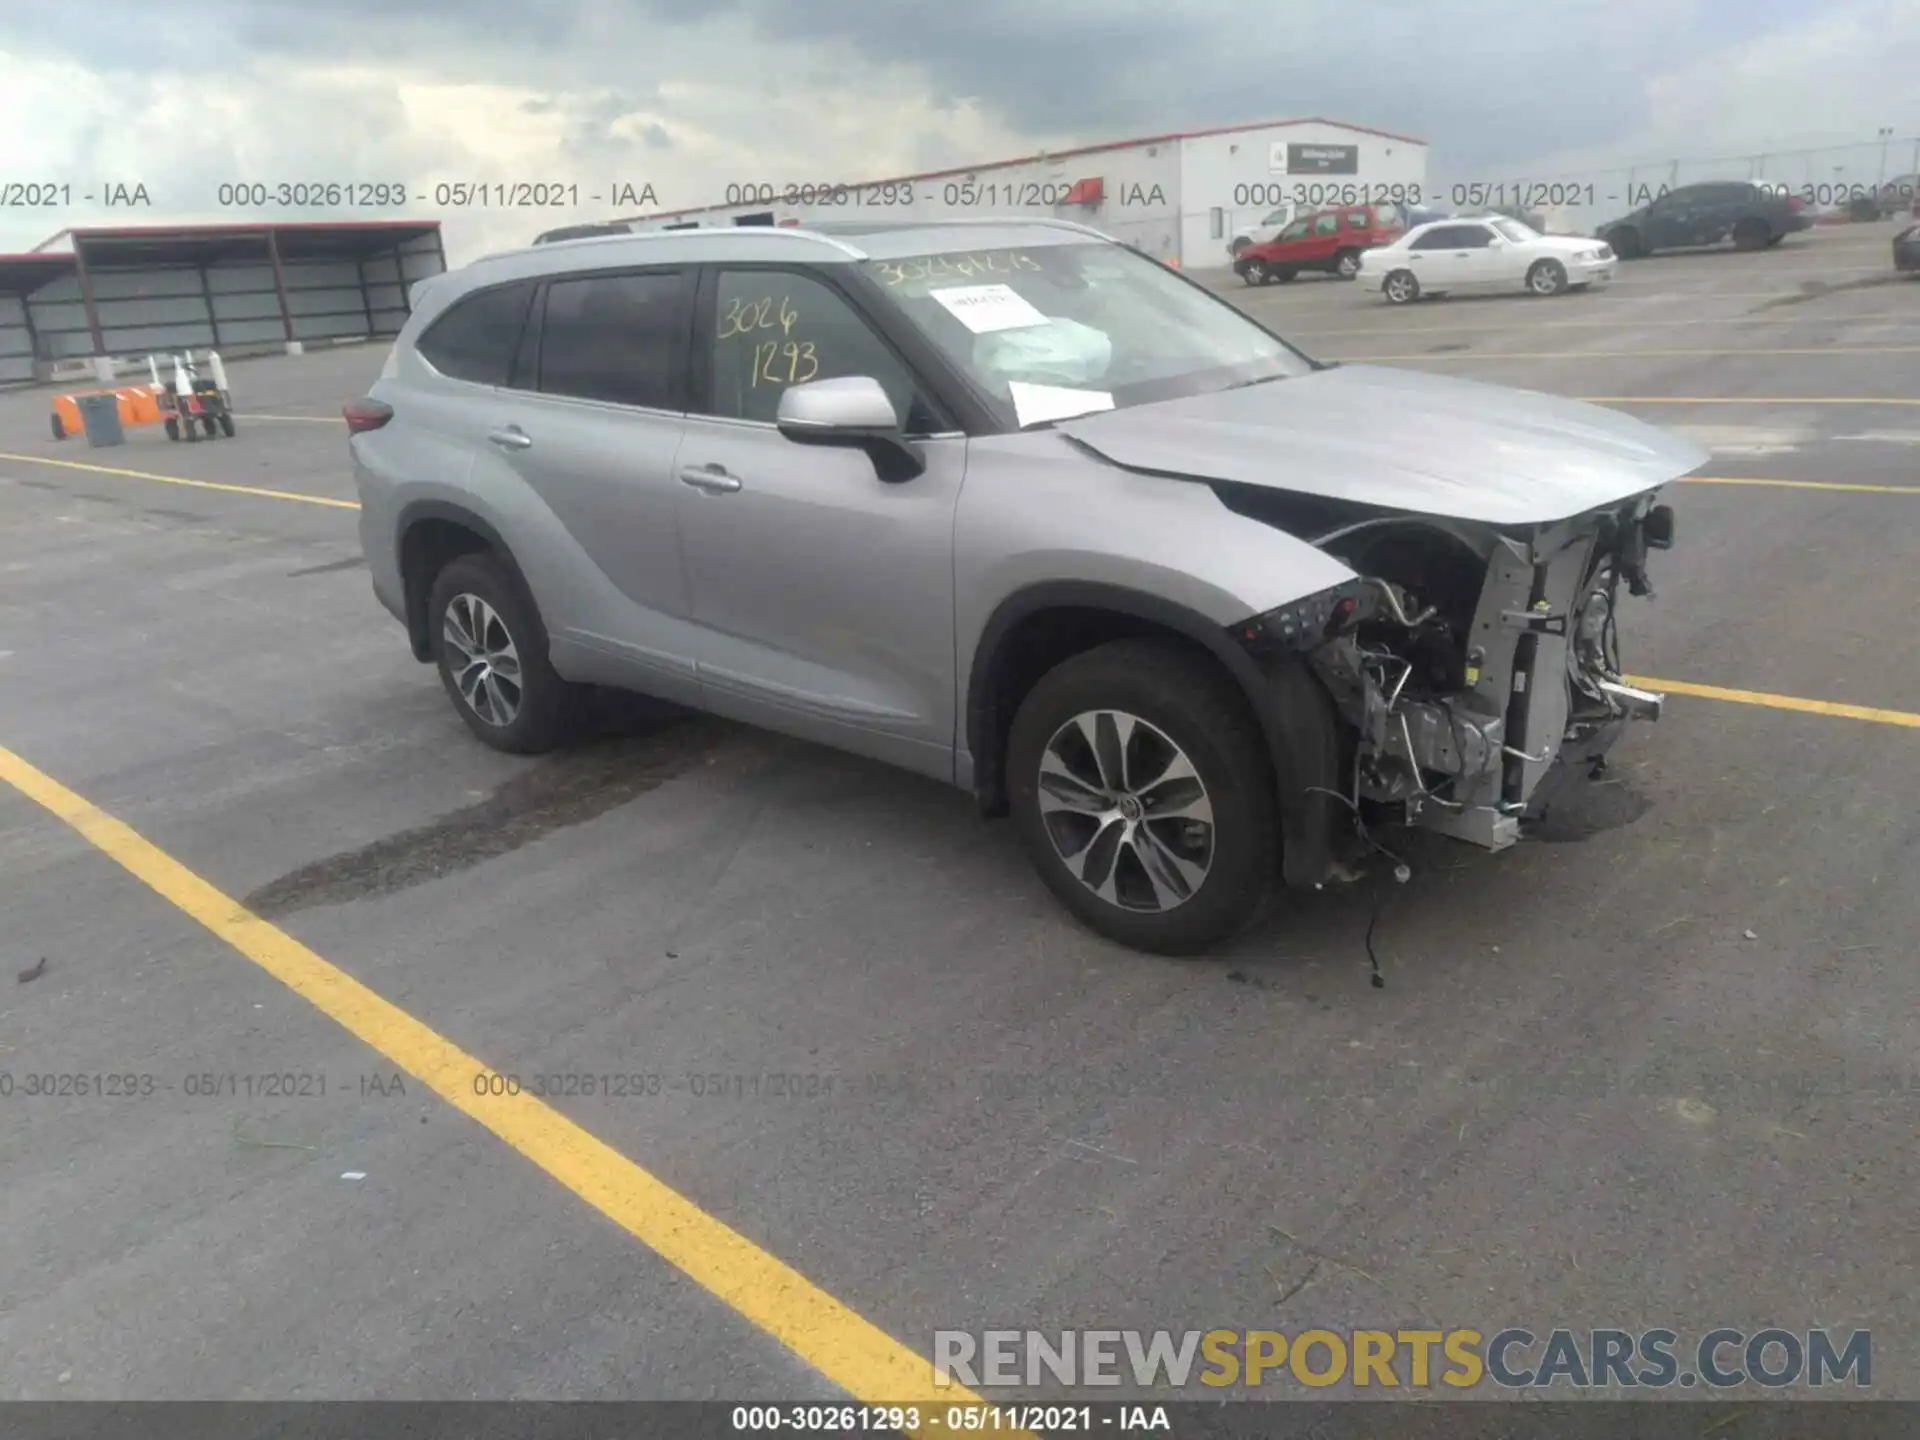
column 1627, row 244
column 1187, row 698
column 59, row 430
column 1402, row 287
column 1752, row 234
column 549, row 706
column 210, row 425
column 226, row 426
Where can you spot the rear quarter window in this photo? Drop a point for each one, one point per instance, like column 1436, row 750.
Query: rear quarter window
column 476, row 339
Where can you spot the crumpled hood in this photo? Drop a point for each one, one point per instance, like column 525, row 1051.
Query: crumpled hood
column 1430, row 444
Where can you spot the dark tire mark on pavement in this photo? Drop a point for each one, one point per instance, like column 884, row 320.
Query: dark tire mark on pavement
column 638, row 748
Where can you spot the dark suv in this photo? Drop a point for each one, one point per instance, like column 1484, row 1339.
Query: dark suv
column 1753, row 216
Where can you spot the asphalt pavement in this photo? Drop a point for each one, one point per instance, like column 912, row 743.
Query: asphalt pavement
column 1657, row 1066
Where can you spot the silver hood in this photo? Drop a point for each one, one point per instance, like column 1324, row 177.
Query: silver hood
column 1403, row 440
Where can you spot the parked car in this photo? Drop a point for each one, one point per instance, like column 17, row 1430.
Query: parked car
column 1896, row 199
column 1751, row 215
column 1906, row 250
column 1532, row 219
column 583, row 232
column 1327, row 240
column 1003, row 503
column 1271, row 224
column 1466, row 256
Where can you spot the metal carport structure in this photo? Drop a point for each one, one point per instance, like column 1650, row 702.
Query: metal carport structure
column 127, row 291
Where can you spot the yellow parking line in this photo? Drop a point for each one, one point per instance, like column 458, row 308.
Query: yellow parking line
column 1633, row 354
column 1801, row 484
column 1779, row 702
column 1746, row 400
column 850, row 1351
column 294, row 495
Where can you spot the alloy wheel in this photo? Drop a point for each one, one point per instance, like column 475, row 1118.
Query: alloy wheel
column 1126, row 810
column 482, row 659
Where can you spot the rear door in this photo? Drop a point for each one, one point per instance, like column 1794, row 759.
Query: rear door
column 590, row 426
column 1323, row 240
column 1436, row 259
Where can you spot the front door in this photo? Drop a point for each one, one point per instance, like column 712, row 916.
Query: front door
column 823, row 594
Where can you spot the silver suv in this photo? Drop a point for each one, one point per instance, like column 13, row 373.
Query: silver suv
column 1009, row 504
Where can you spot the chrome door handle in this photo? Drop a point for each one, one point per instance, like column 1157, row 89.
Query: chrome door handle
column 714, row 479
column 510, row 438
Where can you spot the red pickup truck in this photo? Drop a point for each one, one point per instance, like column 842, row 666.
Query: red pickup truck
column 1329, row 240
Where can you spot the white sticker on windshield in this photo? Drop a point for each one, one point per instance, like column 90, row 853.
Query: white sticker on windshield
column 1034, row 403
column 986, row 308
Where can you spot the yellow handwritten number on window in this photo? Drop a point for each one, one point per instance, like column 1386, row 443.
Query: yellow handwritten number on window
column 793, row 363
column 745, row 316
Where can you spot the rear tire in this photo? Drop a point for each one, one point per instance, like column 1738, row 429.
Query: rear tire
column 226, row 426
column 491, row 650
column 1547, row 277
column 1193, row 743
column 210, row 425
column 1751, row 234
column 1401, row 287
column 1346, row 264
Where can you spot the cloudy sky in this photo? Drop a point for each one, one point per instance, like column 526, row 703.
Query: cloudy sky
column 687, row 95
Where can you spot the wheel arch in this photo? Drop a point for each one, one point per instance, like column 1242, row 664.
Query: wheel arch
column 1035, row 628
column 430, row 534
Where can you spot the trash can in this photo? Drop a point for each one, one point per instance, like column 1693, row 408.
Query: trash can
column 100, row 415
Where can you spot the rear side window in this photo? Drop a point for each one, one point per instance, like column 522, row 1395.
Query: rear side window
column 1438, row 238
column 476, row 338
column 1359, row 220
column 1326, row 225
column 620, row 338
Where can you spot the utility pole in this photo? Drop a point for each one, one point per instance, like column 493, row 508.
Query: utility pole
column 1886, row 136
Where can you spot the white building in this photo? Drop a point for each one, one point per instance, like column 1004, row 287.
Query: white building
column 1179, row 198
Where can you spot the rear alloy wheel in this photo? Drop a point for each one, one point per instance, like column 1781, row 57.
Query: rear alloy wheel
column 1547, row 277
column 1347, row 264
column 1401, row 288
column 1751, row 234
column 492, row 653
column 1142, row 791
column 1254, row 272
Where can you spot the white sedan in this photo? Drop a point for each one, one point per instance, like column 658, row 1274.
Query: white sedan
column 1465, row 256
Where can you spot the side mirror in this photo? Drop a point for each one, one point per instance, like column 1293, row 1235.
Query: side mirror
column 850, row 411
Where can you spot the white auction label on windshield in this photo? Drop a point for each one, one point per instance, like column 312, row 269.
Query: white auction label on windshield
column 1034, row 403
column 986, row 308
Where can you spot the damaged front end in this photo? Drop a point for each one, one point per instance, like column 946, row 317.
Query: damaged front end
column 1470, row 660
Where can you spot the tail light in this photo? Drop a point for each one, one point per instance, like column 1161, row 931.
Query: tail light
column 364, row 415
column 1794, row 202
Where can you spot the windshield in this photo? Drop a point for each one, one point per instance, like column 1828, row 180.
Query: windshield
column 1060, row 330
column 1515, row 231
